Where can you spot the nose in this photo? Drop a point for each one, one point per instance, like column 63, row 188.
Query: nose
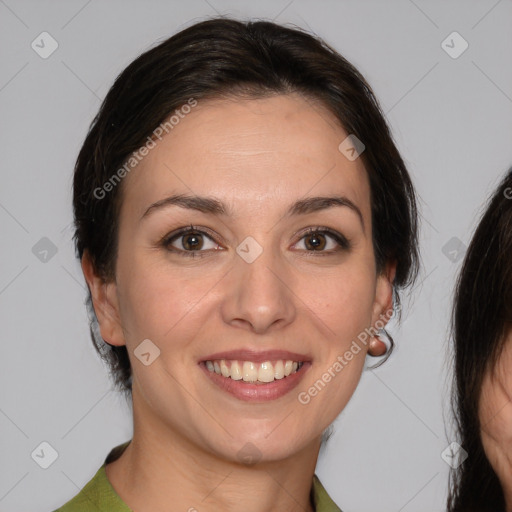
column 260, row 294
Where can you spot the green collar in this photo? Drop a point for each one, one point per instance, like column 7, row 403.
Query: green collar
column 98, row 492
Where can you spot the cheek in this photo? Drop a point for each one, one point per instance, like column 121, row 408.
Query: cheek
column 495, row 408
column 344, row 303
column 344, row 300
column 157, row 300
column 346, row 306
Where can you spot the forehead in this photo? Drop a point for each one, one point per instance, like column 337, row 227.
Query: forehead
column 250, row 152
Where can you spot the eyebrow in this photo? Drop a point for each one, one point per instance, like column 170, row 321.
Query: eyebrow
column 212, row 206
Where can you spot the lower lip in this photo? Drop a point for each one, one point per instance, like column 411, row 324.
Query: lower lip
column 257, row 392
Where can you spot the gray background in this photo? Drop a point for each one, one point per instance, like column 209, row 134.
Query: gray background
column 452, row 120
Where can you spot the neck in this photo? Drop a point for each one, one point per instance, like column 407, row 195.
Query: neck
column 161, row 467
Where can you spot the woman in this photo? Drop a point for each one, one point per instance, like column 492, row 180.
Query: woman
column 245, row 223
column 482, row 320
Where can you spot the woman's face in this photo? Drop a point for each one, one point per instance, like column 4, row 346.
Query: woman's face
column 495, row 411
column 252, row 286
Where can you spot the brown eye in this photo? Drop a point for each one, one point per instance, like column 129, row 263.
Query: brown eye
column 190, row 242
column 323, row 241
column 315, row 241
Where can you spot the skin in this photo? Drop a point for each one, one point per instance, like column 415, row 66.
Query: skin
column 258, row 156
column 495, row 412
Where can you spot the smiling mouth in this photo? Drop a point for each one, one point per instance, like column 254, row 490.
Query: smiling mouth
column 252, row 372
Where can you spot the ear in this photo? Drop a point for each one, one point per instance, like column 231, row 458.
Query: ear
column 382, row 308
column 383, row 303
column 104, row 299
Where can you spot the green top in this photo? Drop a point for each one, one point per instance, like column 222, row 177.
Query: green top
column 98, row 495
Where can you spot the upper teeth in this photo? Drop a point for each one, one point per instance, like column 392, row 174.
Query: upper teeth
column 252, row 372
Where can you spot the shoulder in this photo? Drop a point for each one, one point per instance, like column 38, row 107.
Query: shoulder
column 88, row 499
column 98, row 495
column 322, row 501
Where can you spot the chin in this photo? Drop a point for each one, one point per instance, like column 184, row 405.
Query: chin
column 250, row 444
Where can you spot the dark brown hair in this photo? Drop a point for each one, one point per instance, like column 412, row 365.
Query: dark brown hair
column 225, row 57
column 481, row 317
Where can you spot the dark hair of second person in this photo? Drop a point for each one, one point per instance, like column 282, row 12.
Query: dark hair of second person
column 481, row 328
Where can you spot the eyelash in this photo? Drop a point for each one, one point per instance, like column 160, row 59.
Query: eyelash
column 343, row 243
